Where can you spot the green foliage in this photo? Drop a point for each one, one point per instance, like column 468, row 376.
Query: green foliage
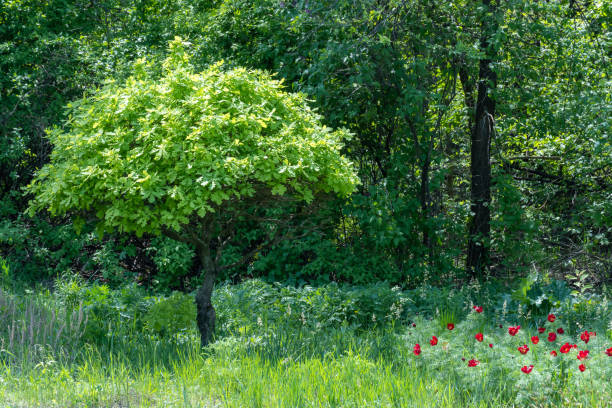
column 335, row 361
column 173, row 259
column 539, row 295
column 110, row 312
column 171, row 316
column 5, row 276
column 156, row 151
column 254, row 305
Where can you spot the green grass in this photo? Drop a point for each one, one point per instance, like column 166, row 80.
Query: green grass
column 266, row 356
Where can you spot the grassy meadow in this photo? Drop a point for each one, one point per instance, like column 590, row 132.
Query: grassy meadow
column 278, row 346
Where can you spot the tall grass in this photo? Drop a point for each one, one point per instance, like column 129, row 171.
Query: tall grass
column 31, row 331
column 266, row 357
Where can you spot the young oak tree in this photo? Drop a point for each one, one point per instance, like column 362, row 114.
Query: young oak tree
column 189, row 155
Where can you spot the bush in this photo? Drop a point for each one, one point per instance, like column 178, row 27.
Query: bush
column 171, row 316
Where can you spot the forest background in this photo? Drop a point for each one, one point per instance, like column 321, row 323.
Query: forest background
column 417, row 84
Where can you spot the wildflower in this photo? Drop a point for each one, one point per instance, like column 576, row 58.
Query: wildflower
column 609, row 352
column 552, row 337
column 433, row 341
column 585, row 336
column 583, row 354
column 527, row 369
column 541, row 330
column 551, row 318
column 450, row 326
column 473, row 363
column 560, row 330
column 535, row 339
column 417, row 349
column 581, row 367
column 491, row 346
column 566, row 348
column 512, row 330
column 553, row 353
column 413, row 324
column 479, row 336
column 477, row 309
column 523, row 349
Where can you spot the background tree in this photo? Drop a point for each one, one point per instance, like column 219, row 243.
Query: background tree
column 189, row 156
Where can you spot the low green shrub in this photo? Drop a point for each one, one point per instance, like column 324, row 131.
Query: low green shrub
column 171, row 316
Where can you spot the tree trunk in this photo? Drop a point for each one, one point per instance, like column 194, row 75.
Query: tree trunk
column 480, row 166
column 205, row 311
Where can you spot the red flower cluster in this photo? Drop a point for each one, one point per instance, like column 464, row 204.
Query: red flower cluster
column 567, row 347
column 527, row 369
column 552, row 337
column 553, row 353
column 541, row 330
column 512, row 330
column 560, row 330
column 581, row 367
column 609, row 352
column 433, row 341
column 535, row 339
column 473, row 363
column 478, row 309
column 523, row 349
column 479, row 336
column 417, row 349
column 450, row 326
column 583, row 354
column 586, row 336
column 551, row 318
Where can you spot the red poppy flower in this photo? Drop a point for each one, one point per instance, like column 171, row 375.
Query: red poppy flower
column 527, row 369
column 512, row 330
column 553, row 353
column 417, row 349
column 541, row 330
column 535, row 339
column 581, row 367
column 585, row 336
column 609, row 352
column 478, row 309
column 413, row 324
column 551, row 317
column 583, row 354
column 560, row 330
column 566, row 348
column 450, row 326
column 433, row 341
column 491, row 346
column 479, row 336
column 523, row 349
column 552, row 337
column 473, row 363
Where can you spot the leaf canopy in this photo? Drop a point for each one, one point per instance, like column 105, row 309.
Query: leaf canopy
column 159, row 150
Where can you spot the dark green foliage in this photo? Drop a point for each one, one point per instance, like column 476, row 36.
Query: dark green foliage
column 398, row 75
column 172, row 316
column 173, row 260
column 254, row 305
